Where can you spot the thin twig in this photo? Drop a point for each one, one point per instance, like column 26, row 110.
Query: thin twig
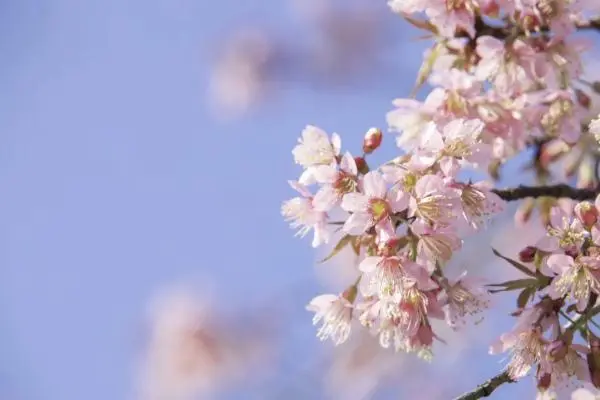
column 486, row 388
column 557, row 191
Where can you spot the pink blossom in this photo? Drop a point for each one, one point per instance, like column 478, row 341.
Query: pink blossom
column 564, row 232
column 448, row 16
column 389, row 275
column 433, row 202
column 457, row 146
column 336, row 313
column 511, row 69
column 411, row 117
column 526, row 348
column 577, row 278
column 315, row 148
column 373, row 207
column 479, row 203
column 335, row 182
column 464, row 297
column 435, row 244
column 303, row 215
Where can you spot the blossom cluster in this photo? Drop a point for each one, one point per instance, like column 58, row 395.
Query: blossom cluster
column 557, row 301
column 405, row 219
column 506, row 76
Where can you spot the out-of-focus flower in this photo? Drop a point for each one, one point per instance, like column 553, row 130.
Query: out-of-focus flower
column 190, row 352
column 239, row 78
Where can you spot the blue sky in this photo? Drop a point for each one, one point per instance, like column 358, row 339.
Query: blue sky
column 116, row 181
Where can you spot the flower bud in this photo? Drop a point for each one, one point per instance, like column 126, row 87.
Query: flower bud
column 530, row 22
column 350, row 293
column 372, row 140
column 544, row 381
column 491, row 9
column 527, row 254
column 587, row 213
column 361, row 165
column 583, row 99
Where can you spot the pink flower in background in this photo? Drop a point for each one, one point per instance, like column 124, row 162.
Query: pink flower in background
column 189, row 353
column 464, row 298
column 239, row 78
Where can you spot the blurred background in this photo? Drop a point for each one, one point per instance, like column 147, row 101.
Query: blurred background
column 145, row 148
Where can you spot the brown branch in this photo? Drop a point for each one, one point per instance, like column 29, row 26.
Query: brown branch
column 486, row 388
column 503, row 32
column 557, row 191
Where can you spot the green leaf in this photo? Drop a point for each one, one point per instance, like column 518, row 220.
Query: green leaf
column 515, row 264
column 517, row 283
column 524, row 297
column 356, row 245
column 427, row 67
column 344, row 241
column 420, row 24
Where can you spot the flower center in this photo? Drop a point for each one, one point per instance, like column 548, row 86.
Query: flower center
column 379, row 209
column 345, row 183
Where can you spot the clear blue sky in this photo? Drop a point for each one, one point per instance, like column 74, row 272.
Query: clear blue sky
column 116, row 181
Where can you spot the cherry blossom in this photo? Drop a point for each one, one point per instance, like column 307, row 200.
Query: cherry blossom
column 506, row 82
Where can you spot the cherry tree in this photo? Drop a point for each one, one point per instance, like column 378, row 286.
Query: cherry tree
column 507, row 81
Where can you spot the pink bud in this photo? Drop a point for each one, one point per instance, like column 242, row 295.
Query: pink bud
column 372, row 140
column 527, row 254
column 544, row 381
column 530, row 22
column 583, row 99
column 361, row 165
column 586, row 213
column 350, row 293
column 491, row 9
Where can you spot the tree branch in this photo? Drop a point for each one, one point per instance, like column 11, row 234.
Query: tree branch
column 486, row 388
column 558, row 191
column 503, row 32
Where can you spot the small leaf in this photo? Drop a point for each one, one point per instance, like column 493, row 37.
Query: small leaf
column 427, row 67
column 517, row 284
column 515, row 264
column 356, row 245
column 344, row 241
column 524, row 297
column 417, row 23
